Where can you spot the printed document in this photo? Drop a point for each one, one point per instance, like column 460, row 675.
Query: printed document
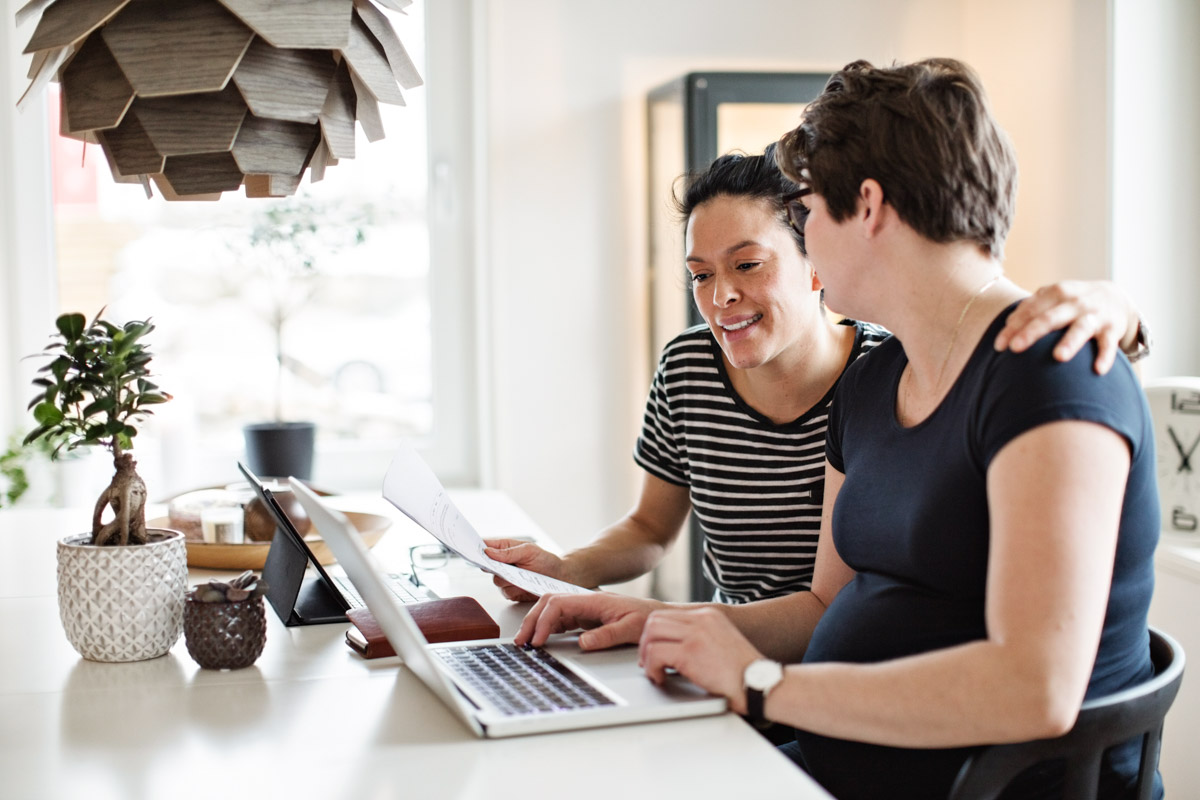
column 411, row 486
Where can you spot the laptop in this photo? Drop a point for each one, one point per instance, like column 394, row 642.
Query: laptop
column 323, row 597
column 498, row 689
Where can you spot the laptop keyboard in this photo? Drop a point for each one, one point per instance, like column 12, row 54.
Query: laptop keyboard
column 519, row 681
column 399, row 585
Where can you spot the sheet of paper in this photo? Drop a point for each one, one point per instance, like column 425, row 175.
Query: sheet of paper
column 411, row 486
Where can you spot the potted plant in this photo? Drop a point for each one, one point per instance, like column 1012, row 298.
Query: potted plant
column 14, row 481
column 24, row 472
column 225, row 623
column 120, row 586
column 282, row 258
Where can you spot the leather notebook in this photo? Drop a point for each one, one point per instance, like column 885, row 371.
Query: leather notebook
column 450, row 619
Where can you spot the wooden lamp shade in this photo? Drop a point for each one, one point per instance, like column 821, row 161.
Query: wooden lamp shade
column 201, row 97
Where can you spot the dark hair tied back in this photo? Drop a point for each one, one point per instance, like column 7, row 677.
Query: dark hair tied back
column 738, row 175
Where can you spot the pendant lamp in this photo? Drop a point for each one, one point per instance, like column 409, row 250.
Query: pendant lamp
column 200, row 97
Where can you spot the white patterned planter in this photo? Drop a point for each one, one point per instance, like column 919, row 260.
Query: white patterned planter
column 122, row 603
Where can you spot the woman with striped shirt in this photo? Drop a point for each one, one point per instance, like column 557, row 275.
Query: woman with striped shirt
column 734, row 428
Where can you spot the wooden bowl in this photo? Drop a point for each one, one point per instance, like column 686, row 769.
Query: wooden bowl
column 253, row 555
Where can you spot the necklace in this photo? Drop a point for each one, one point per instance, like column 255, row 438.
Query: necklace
column 958, row 326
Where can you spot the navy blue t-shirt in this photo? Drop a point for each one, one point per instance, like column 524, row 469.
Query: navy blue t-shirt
column 912, row 520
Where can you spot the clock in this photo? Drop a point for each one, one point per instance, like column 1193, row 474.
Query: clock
column 1175, row 409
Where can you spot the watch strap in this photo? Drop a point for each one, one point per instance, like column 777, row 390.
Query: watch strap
column 758, row 679
column 755, row 700
column 1141, row 343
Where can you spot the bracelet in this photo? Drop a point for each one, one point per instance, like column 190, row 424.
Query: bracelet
column 1141, row 343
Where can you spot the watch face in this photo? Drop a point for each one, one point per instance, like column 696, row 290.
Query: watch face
column 763, row 674
column 1175, row 407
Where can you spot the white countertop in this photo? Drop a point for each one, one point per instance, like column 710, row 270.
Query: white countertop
column 311, row 718
column 1179, row 554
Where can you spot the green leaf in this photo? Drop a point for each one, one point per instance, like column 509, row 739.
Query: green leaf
column 123, row 345
column 47, row 414
column 71, row 326
column 59, row 367
column 102, row 405
column 136, row 329
column 36, row 433
column 95, row 384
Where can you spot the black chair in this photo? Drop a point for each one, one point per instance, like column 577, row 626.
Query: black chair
column 1102, row 723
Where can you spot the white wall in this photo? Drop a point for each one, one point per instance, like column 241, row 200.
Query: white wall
column 1046, row 68
column 26, row 293
column 1156, row 127
column 566, row 85
column 1156, row 250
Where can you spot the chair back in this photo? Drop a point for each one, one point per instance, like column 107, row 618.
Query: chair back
column 1102, row 723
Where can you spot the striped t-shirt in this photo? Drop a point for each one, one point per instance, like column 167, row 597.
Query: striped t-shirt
column 756, row 487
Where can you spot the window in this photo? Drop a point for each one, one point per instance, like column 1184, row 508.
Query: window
column 335, row 324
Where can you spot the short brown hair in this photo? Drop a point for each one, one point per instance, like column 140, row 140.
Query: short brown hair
column 925, row 133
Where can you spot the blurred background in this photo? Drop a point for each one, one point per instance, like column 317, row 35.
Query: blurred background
column 480, row 281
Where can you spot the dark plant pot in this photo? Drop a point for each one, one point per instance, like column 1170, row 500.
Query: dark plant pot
column 225, row 635
column 280, row 449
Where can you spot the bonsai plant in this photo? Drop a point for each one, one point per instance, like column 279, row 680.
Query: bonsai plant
column 120, row 586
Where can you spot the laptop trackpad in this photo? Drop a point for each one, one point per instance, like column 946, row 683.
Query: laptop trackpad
column 617, row 669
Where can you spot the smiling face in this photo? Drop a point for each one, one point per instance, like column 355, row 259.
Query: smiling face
column 749, row 281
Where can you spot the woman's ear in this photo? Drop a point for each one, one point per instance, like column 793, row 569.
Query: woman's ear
column 816, row 280
column 870, row 205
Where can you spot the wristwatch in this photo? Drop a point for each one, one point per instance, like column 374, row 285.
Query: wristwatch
column 760, row 677
column 1141, row 343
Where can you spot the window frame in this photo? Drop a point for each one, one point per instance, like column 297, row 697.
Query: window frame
column 28, row 294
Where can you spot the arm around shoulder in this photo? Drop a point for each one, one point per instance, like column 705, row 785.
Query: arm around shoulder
column 1087, row 310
